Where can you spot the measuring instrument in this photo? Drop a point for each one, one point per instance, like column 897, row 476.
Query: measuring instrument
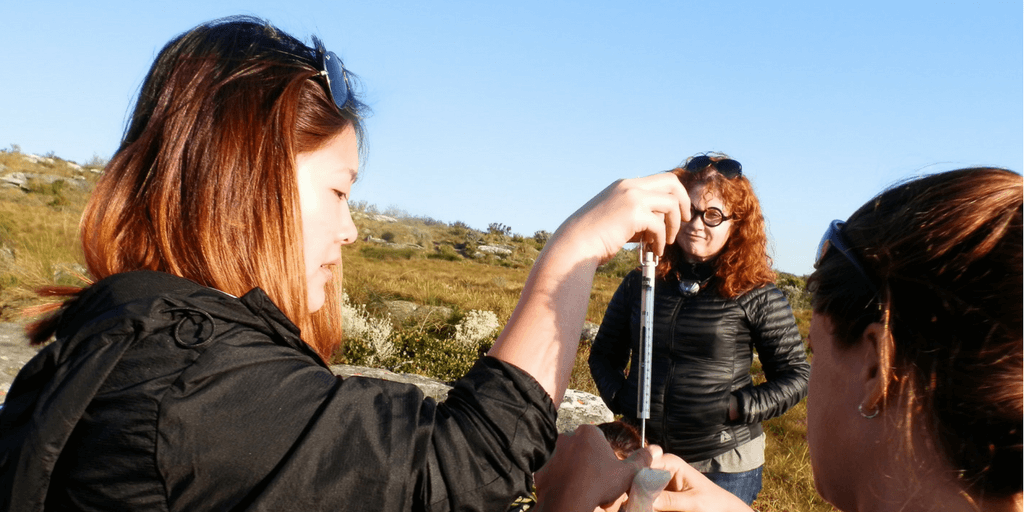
column 648, row 261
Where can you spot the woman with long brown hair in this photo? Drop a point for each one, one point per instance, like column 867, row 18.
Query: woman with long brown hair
column 191, row 375
column 715, row 304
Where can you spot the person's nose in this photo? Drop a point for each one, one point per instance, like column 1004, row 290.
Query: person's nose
column 347, row 231
column 697, row 221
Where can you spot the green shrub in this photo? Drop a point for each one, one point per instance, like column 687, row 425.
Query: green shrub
column 423, row 237
column 388, row 236
column 795, row 289
column 621, row 264
column 58, row 186
column 499, row 229
column 59, row 202
column 426, row 354
column 445, row 252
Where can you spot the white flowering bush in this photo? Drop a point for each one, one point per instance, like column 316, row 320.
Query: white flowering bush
column 476, row 327
column 375, row 333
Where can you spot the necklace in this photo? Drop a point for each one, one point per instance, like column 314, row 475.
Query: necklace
column 691, row 287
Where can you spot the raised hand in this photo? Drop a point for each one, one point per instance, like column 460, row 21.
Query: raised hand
column 543, row 333
column 647, row 210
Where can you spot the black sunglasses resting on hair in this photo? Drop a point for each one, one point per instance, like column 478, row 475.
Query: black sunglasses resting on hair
column 727, row 167
column 333, row 70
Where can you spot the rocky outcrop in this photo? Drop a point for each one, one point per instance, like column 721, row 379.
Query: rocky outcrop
column 578, row 407
column 21, row 180
column 499, row 250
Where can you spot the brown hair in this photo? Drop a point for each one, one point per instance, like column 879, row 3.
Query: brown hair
column 944, row 254
column 623, row 437
column 744, row 263
column 204, row 186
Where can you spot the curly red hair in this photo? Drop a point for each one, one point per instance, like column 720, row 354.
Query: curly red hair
column 744, row 263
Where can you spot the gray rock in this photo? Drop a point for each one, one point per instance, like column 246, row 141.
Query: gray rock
column 430, row 387
column 14, row 353
column 581, row 408
column 578, row 407
column 15, row 179
column 21, row 179
column 500, row 250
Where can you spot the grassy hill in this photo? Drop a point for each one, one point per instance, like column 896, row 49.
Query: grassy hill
column 477, row 274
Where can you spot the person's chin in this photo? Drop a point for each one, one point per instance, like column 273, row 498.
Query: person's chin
column 315, row 303
column 316, row 295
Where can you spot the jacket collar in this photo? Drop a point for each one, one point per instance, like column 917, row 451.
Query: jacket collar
column 137, row 293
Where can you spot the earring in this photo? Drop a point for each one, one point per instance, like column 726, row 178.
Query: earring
column 860, row 409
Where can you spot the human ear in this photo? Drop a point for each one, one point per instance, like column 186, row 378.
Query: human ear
column 876, row 352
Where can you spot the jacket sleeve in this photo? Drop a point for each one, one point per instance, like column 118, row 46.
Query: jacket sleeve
column 355, row 443
column 610, row 352
column 782, row 355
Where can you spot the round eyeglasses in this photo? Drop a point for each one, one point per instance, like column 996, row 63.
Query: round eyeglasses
column 712, row 217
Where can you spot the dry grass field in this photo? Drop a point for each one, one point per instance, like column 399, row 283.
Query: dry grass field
column 424, row 261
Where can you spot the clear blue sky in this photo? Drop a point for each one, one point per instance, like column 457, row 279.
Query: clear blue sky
column 518, row 112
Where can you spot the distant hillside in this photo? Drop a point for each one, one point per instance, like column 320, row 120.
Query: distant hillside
column 41, row 199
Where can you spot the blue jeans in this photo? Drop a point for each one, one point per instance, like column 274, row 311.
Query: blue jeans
column 744, row 485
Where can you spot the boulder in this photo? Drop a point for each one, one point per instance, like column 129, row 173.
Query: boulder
column 578, row 407
column 430, row 387
column 589, row 332
column 500, row 250
column 21, row 179
column 581, row 408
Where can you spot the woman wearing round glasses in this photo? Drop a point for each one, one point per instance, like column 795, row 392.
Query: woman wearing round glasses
column 191, row 375
column 714, row 305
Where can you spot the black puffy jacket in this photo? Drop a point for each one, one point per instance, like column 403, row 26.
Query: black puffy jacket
column 160, row 394
column 703, row 349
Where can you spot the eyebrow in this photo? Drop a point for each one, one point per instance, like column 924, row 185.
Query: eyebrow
column 352, row 173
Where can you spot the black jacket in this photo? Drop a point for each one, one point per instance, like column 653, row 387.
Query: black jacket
column 702, row 352
column 160, row 394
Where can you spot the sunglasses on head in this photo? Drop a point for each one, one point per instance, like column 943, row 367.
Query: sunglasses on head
column 333, row 71
column 834, row 238
column 726, row 167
